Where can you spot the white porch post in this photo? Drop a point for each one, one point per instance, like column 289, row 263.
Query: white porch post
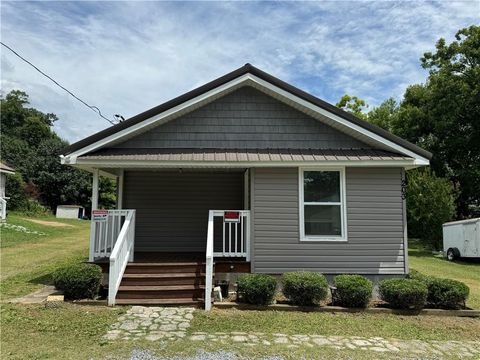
column 120, row 190
column 91, row 256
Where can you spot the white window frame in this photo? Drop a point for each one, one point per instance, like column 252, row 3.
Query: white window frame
column 343, row 206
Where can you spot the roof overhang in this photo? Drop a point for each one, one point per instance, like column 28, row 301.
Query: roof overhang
column 248, row 76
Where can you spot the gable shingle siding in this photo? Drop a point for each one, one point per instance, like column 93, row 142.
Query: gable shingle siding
column 246, row 119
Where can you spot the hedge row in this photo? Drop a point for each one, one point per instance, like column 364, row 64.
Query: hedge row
column 305, row 289
column 310, row 288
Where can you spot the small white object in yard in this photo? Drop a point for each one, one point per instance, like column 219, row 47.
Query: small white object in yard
column 217, row 293
column 54, row 301
column 20, row 228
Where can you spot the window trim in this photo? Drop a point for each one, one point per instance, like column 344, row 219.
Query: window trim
column 342, row 203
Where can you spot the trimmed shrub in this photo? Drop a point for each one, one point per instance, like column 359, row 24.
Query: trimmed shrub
column 353, row 291
column 443, row 293
column 258, row 289
column 78, row 281
column 305, row 288
column 447, row 293
column 404, row 293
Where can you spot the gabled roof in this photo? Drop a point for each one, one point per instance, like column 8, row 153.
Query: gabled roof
column 6, row 169
column 260, row 78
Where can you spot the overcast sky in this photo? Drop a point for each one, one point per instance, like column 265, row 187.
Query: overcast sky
column 126, row 57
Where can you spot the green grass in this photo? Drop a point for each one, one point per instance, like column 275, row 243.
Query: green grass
column 368, row 325
column 76, row 332
column 27, row 260
column 423, row 261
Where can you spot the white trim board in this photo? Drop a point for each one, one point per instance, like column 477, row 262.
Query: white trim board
column 342, row 203
column 264, row 86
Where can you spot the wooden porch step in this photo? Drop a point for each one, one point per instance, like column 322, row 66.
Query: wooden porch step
column 162, row 275
column 166, row 264
column 162, row 302
column 160, row 288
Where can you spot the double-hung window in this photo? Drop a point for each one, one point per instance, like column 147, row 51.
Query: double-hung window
column 322, row 205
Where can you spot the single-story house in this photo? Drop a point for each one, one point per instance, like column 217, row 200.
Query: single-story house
column 4, row 170
column 244, row 174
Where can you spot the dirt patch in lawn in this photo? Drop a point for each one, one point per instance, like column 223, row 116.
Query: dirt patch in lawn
column 49, row 223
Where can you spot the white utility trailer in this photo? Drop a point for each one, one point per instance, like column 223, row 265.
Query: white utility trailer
column 462, row 239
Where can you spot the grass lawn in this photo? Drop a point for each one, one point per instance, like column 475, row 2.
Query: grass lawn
column 76, row 331
column 27, row 259
column 467, row 271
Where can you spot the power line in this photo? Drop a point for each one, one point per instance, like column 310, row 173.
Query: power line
column 91, row 107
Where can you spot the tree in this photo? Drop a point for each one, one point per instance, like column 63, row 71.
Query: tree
column 430, row 203
column 29, row 144
column 353, row 104
column 384, row 115
column 443, row 115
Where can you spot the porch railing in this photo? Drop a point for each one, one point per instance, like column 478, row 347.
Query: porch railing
column 121, row 254
column 104, row 233
column 235, row 242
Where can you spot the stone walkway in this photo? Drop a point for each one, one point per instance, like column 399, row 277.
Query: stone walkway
column 37, row 297
column 165, row 323
column 151, row 323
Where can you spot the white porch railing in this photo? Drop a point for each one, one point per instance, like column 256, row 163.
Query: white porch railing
column 235, row 242
column 121, row 254
column 104, row 234
column 3, row 208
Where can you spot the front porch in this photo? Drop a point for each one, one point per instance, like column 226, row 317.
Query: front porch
column 166, row 247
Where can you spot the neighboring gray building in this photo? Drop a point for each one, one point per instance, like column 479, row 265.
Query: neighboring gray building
column 297, row 184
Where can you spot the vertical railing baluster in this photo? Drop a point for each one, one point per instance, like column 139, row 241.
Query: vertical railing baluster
column 241, row 234
column 229, row 239
column 236, row 238
column 223, row 238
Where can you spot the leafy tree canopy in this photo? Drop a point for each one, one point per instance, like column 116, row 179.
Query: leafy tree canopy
column 29, row 144
column 442, row 115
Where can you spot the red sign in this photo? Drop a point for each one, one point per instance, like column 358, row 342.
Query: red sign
column 99, row 215
column 231, row 217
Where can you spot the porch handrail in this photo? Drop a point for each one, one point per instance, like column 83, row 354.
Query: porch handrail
column 121, row 254
column 238, row 241
column 209, row 262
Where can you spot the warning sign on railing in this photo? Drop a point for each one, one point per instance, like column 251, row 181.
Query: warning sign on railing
column 99, row 215
column 231, row 217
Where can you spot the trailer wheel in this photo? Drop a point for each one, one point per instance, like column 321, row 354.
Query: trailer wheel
column 453, row 254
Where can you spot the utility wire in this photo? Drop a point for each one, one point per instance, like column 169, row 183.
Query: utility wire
column 91, row 107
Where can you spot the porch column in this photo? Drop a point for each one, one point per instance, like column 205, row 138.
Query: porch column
column 94, row 207
column 120, row 190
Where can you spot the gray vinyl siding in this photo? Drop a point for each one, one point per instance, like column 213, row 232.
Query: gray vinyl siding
column 374, row 218
column 246, row 119
column 172, row 207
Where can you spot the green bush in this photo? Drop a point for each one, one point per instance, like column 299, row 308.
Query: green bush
column 78, row 281
column 447, row 293
column 305, row 288
column 258, row 289
column 353, row 291
column 443, row 293
column 404, row 293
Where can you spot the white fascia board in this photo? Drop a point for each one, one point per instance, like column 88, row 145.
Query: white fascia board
column 238, row 164
column 168, row 114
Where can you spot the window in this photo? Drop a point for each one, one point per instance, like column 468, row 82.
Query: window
column 322, row 205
